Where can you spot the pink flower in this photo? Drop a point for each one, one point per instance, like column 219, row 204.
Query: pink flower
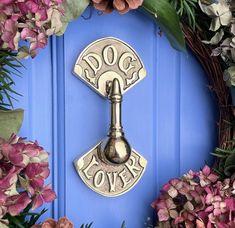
column 23, row 170
column 36, row 173
column 223, row 188
column 31, row 20
column 20, row 154
column 173, row 187
column 40, row 41
column 192, row 177
column 206, row 177
column 186, row 217
column 45, row 194
column 9, row 34
column 9, row 179
column 198, row 200
column 16, row 204
column 166, row 209
column 51, row 223
column 27, row 33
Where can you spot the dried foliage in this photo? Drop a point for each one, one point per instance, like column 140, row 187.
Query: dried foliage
column 213, row 68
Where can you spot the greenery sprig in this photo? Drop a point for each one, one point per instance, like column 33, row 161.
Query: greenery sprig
column 9, row 67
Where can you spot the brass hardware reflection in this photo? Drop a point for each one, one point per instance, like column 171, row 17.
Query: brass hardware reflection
column 110, row 67
column 115, row 149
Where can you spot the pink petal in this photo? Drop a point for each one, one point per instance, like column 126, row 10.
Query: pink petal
column 6, row 1
column 27, row 33
column 174, row 182
column 159, row 204
column 10, row 179
column 213, row 177
column 3, row 198
column 200, row 224
column 172, row 192
column 166, row 187
column 37, row 183
column 32, row 6
column 37, row 202
column 163, row 215
column 217, row 212
column 178, row 219
column 42, row 14
column 48, row 194
column 230, row 203
column 17, row 203
column 209, row 209
column 206, row 170
column 209, row 225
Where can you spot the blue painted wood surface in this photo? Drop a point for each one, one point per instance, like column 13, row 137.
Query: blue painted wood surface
column 170, row 117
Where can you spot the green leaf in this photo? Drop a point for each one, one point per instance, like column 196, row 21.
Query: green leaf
column 166, row 17
column 123, row 224
column 15, row 222
column 10, row 122
column 219, row 155
column 89, row 225
column 35, row 216
column 73, row 9
column 86, row 226
column 229, row 166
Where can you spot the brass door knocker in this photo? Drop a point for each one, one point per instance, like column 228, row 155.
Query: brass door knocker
column 111, row 67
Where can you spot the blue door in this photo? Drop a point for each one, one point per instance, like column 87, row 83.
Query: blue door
column 169, row 117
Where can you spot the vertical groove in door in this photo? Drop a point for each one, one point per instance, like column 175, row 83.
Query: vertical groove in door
column 59, row 177
column 155, row 139
column 167, row 111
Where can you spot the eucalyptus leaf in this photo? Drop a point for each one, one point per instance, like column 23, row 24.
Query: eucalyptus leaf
column 219, row 11
column 229, row 166
column 216, row 38
column 73, row 9
column 166, row 17
column 10, row 122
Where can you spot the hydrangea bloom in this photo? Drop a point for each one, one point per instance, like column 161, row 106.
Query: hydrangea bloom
column 30, row 20
column 23, row 170
column 198, row 199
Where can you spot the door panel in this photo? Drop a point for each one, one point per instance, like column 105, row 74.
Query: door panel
column 169, row 117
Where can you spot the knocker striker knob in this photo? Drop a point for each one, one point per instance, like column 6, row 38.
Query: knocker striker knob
column 115, row 149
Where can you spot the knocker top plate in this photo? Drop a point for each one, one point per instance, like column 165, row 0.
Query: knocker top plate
column 106, row 59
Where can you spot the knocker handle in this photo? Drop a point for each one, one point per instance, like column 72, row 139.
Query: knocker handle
column 115, row 149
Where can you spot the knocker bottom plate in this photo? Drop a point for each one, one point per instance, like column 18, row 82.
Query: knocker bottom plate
column 109, row 180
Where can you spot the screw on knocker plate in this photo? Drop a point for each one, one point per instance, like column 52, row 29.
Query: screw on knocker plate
column 110, row 67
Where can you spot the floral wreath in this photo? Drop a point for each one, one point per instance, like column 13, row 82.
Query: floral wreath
column 204, row 198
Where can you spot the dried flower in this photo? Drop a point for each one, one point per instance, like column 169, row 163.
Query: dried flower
column 51, row 223
column 23, row 170
column 29, row 20
column 198, row 199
